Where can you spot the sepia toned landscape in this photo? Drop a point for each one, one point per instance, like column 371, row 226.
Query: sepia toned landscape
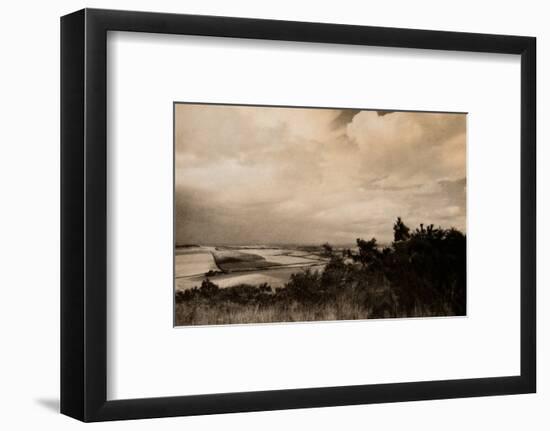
column 307, row 214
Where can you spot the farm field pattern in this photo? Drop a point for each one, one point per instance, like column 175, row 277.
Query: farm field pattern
column 230, row 266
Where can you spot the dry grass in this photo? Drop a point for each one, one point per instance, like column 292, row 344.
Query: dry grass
column 201, row 313
column 346, row 306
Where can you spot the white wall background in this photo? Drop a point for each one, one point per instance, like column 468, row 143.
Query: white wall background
column 29, row 220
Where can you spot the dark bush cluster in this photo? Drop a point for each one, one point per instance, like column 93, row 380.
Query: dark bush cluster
column 239, row 294
column 429, row 267
column 424, row 269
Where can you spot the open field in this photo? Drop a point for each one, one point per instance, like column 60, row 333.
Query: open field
column 283, row 256
column 275, row 277
column 194, row 264
column 230, row 266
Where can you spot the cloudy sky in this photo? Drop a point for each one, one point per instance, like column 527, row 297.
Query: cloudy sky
column 259, row 175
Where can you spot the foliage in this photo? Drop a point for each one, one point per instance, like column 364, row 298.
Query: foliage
column 327, row 250
column 400, row 231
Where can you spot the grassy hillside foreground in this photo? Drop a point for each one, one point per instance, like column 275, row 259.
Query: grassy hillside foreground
column 422, row 273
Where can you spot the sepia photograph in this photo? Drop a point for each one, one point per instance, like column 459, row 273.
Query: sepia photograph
column 291, row 214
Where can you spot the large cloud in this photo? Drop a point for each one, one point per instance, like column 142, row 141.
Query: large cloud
column 283, row 175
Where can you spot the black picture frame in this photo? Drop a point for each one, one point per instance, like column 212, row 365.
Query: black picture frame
column 84, row 214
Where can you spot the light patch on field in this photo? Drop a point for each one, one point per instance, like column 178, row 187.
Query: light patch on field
column 189, row 264
column 194, row 249
column 276, row 277
column 252, row 265
column 281, row 256
column 298, row 253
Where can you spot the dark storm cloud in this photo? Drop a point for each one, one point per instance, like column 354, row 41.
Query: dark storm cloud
column 284, row 175
column 344, row 117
